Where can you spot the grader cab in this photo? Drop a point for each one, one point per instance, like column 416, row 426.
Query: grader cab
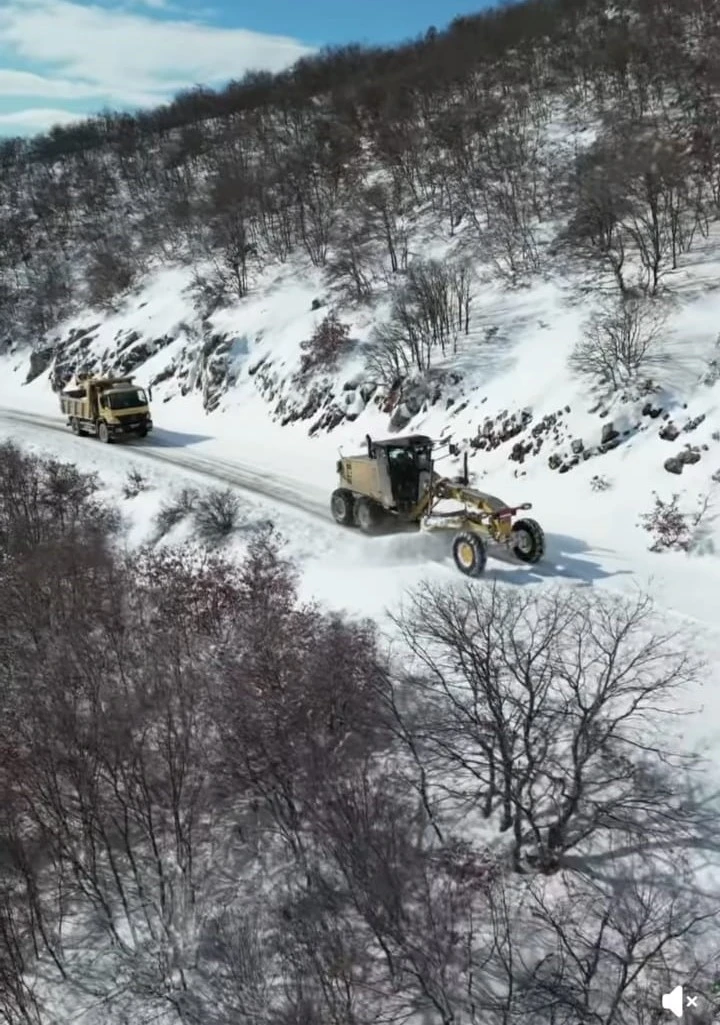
column 395, row 480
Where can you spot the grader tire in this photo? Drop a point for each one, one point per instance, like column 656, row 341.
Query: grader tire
column 470, row 554
column 369, row 515
column 527, row 541
column 342, row 508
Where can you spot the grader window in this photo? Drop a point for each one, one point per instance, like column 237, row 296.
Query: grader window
column 403, row 474
column 423, row 458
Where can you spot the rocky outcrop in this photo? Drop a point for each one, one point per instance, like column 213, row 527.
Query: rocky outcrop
column 686, row 457
column 40, row 360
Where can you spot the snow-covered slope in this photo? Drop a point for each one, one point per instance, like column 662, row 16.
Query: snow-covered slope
column 589, row 462
column 236, row 410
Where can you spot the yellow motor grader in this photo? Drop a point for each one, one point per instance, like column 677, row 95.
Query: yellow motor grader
column 396, row 479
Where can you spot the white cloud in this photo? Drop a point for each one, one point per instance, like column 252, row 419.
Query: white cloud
column 82, row 51
column 27, row 83
column 37, row 119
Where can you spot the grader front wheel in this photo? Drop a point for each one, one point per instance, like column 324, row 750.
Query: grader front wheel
column 527, row 541
column 469, row 553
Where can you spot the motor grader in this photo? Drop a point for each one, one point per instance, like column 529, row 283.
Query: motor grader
column 396, row 479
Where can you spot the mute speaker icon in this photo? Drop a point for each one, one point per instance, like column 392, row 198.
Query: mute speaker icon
column 674, row 1002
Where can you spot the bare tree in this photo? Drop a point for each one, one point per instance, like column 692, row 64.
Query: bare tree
column 623, row 340
column 430, row 312
column 111, row 272
column 531, row 712
column 596, row 226
column 611, row 946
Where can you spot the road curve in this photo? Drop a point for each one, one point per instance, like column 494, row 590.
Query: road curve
column 294, row 493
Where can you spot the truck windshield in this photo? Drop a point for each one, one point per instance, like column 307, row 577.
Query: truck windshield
column 126, row 399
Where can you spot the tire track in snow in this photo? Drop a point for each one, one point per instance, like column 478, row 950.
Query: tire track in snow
column 285, row 490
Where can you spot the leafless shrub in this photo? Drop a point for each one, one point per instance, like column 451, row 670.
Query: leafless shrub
column 215, row 288
column 621, row 342
column 672, row 528
column 600, row 483
column 294, row 716
column 19, row 1004
column 135, row 483
column 173, row 512
column 217, row 514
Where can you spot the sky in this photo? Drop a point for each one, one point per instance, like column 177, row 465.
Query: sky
column 64, row 59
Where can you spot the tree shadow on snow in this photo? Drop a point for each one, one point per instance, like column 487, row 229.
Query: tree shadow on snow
column 565, row 559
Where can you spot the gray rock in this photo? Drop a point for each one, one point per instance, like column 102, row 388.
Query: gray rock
column 669, row 432
column 673, row 465
column 695, row 422
column 608, row 433
column 577, row 446
column 40, row 360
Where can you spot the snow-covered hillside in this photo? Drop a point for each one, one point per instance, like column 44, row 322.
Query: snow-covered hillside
column 590, row 461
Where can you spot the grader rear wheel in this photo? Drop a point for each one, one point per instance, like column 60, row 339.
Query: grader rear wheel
column 342, row 507
column 369, row 515
column 527, row 541
column 470, row 553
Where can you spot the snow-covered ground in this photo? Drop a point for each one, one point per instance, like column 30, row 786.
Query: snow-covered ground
column 515, row 359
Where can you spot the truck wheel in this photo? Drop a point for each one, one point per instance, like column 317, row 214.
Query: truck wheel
column 75, row 426
column 470, row 553
column 527, row 541
column 369, row 515
column 342, row 507
column 142, row 432
column 103, row 433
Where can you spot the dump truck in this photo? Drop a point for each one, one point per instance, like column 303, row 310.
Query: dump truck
column 107, row 407
column 396, row 480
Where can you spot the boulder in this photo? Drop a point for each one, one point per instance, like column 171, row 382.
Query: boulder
column 608, row 433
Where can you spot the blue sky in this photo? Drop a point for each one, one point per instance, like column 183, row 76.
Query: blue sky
column 61, row 59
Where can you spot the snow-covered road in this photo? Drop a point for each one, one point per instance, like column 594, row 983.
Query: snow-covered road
column 166, row 447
